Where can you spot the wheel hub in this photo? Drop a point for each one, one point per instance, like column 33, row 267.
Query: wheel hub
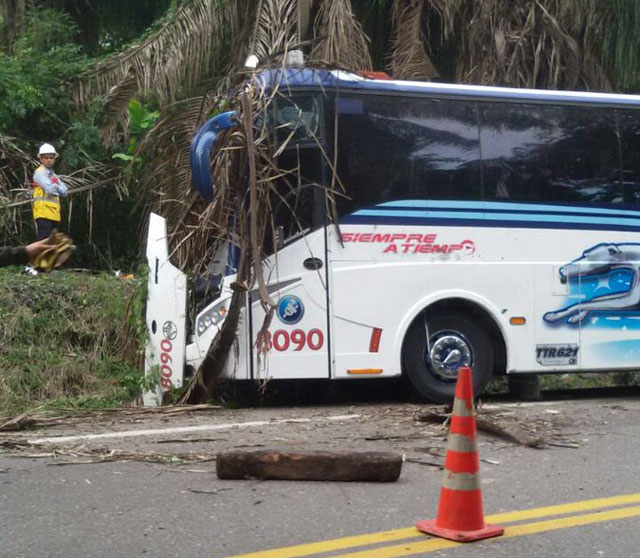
column 447, row 353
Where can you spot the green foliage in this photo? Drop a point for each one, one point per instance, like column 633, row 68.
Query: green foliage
column 622, row 44
column 34, row 100
column 69, row 339
column 82, row 143
column 141, row 120
column 122, row 21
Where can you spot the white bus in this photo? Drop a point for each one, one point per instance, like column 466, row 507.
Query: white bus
column 490, row 227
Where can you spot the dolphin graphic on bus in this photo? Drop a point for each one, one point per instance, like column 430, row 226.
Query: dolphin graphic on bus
column 606, row 277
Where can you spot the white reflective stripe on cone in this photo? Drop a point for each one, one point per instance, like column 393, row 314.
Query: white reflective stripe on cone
column 462, row 443
column 461, row 481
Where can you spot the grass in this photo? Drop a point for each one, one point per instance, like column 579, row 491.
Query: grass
column 69, row 339
column 575, row 380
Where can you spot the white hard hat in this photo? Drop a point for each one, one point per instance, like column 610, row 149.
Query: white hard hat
column 47, row 149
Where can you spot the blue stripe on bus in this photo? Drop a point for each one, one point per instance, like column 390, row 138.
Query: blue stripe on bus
column 498, row 212
column 506, row 217
column 479, row 220
column 507, row 206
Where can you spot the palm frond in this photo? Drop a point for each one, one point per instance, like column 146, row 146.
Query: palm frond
column 275, row 28
column 166, row 187
column 190, row 47
column 621, row 50
column 542, row 43
column 344, row 43
column 409, row 59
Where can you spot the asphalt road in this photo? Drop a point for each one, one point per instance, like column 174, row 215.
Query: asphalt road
column 57, row 501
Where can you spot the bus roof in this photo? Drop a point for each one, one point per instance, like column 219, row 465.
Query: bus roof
column 339, row 79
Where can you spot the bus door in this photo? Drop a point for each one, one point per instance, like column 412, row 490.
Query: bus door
column 359, row 339
column 293, row 342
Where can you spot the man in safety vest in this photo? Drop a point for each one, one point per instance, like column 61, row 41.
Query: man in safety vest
column 47, row 189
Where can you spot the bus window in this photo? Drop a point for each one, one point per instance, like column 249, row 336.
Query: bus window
column 295, row 214
column 586, row 160
column 297, row 200
column 514, row 140
column 298, row 119
column 630, row 142
column 550, row 153
column 394, row 148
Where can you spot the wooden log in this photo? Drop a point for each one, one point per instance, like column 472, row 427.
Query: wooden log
column 309, row 465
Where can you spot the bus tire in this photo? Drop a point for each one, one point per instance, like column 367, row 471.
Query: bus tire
column 461, row 338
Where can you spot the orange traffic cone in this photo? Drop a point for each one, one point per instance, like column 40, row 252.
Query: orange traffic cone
column 460, row 515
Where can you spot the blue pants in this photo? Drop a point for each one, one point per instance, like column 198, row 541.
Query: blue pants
column 44, row 228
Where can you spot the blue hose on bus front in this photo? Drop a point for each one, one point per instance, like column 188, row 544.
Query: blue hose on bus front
column 201, row 152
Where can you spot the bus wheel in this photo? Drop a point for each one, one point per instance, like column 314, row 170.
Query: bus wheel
column 455, row 340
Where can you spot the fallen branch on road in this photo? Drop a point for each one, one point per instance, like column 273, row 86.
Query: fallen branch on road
column 508, row 430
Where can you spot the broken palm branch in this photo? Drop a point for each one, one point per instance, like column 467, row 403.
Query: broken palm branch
column 506, row 429
column 72, row 455
column 178, row 57
column 275, row 27
column 41, row 418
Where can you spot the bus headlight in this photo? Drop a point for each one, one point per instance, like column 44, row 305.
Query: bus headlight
column 213, row 316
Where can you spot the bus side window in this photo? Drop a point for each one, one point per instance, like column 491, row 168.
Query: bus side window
column 372, row 152
column 514, row 141
column 394, row 149
column 586, row 157
column 630, row 141
column 445, row 156
column 550, row 154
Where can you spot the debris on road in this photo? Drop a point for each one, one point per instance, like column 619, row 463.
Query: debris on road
column 506, row 429
column 66, row 417
column 71, row 455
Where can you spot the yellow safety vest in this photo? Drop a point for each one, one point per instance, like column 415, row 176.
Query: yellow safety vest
column 45, row 206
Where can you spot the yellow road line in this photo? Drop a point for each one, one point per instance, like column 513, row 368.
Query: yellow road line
column 411, row 532
column 561, row 509
column 336, row 544
column 432, row 545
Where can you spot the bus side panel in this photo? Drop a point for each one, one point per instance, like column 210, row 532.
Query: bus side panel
column 296, row 341
column 385, row 275
column 602, row 299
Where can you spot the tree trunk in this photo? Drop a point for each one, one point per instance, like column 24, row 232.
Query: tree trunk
column 309, row 465
column 12, row 16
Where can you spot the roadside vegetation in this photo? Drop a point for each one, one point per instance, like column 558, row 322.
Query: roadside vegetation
column 69, row 340
column 560, row 382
